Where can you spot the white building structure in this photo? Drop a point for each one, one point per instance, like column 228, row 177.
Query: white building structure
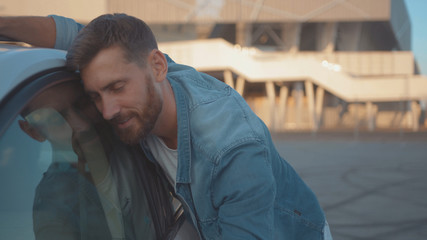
column 301, row 65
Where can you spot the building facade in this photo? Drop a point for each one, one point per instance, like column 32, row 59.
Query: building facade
column 301, row 65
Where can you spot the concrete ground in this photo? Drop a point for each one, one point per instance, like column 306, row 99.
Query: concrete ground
column 370, row 185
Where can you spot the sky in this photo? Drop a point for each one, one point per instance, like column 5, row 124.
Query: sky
column 418, row 15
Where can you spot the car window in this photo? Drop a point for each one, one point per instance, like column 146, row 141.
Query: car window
column 64, row 175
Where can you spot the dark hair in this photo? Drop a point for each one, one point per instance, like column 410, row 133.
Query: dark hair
column 130, row 33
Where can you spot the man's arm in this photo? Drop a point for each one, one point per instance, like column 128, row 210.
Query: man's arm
column 37, row 31
column 244, row 192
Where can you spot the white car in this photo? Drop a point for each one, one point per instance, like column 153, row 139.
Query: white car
column 63, row 172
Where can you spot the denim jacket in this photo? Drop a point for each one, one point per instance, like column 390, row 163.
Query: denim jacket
column 60, row 198
column 230, row 176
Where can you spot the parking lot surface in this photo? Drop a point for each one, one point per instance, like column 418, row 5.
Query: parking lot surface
column 371, row 185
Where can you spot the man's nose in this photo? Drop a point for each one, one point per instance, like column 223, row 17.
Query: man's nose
column 109, row 108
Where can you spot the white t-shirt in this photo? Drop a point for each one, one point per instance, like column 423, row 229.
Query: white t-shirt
column 166, row 157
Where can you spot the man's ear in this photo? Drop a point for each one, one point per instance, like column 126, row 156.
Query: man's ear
column 159, row 64
column 31, row 131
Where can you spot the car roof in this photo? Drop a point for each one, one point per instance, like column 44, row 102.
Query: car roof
column 17, row 63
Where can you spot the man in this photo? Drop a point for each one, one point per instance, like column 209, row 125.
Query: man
column 78, row 195
column 78, row 165
column 217, row 154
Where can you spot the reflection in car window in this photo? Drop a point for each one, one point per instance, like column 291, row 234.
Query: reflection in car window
column 61, row 174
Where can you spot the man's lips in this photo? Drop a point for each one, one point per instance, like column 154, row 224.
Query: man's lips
column 123, row 123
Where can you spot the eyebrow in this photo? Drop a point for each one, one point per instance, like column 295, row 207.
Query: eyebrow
column 109, row 85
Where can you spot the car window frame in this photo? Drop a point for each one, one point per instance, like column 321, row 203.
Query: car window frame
column 16, row 99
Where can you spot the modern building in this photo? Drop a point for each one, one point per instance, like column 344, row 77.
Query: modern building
column 301, row 65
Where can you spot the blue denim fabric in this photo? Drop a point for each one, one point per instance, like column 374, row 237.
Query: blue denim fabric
column 67, row 206
column 229, row 174
column 66, row 31
column 230, row 177
column 327, row 232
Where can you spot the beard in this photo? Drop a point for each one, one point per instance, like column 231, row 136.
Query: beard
column 144, row 116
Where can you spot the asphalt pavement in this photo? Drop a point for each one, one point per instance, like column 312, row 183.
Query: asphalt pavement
column 370, row 185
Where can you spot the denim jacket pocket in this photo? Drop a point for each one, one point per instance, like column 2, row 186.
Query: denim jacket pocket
column 210, row 229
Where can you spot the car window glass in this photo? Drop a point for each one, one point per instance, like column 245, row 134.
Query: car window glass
column 60, row 174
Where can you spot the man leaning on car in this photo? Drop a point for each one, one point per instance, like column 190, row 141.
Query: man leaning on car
column 215, row 152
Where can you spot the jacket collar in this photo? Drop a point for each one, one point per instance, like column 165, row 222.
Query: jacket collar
column 184, row 136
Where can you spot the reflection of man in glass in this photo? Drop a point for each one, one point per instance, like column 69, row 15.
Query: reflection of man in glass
column 76, row 198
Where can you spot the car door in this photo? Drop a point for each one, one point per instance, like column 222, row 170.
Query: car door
column 65, row 175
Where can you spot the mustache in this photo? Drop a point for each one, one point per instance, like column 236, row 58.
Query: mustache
column 121, row 118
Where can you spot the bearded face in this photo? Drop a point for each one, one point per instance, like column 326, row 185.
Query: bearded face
column 126, row 93
column 142, row 118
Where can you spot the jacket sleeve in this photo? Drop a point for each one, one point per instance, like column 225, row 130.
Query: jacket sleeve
column 66, row 30
column 244, row 190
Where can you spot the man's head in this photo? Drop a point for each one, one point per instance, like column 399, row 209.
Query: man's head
column 59, row 122
column 123, row 72
column 129, row 33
